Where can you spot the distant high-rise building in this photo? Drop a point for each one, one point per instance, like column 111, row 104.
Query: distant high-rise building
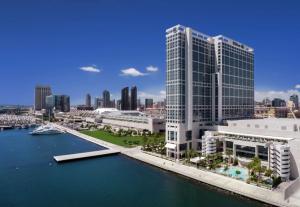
column 65, row 103
column 40, row 96
column 125, row 103
column 88, row 100
column 113, row 103
column 98, row 103
column 133, row 98
column 148, row 103
column 139, row 103
column 119, row 104
column 295, row 99
column 106, row 99
column 267, row 102
column 277, row 102
column 59, row 103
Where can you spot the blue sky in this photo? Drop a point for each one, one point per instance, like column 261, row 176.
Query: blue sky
column 47, row 42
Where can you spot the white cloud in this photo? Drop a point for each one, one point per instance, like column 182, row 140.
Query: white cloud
column 260, row 95
column 132, row 72
column 152, row 68
column 163, row 93
column 297, row 86
column 92, row 69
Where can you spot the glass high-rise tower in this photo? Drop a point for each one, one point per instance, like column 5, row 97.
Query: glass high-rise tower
column 209, row 80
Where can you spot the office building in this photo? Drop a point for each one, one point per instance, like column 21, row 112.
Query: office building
column 148, row 103
column 40, row 97
column 139, row 103
column 58, row 103
column 88, row 100
column 277, row 102
column 119, row 104
column 113, row 103
column 295, row 99
column 267, row 102
column 98, row 103
column 133, row 98
column 106, row 99
column 125, row 101
column 271, row 112
column 209, row 80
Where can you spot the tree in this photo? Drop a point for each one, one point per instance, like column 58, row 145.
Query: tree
column 268, row 172
column 255, row 167
column 235, row 162
column 145, row 141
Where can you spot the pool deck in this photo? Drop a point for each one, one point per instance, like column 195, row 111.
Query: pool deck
column 273, row 197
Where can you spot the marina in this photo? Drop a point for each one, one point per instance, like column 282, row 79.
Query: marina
column 17, row 121
column 31, row 175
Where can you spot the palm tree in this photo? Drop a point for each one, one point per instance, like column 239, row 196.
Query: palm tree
column 255, row 167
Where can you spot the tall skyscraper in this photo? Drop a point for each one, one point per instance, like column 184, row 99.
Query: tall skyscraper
column 40, row 96
column 125, row 104
column 88, row 100
column 106, row 99
column 65, row 103
column 59, row 103
column 209, row 79
column 148, row 103
column 133, row 98
column 295, row 99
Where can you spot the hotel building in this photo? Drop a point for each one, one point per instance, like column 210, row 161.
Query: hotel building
column 209, row 80
column 210, row 104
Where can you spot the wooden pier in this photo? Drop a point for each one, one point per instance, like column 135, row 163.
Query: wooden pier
column 85, row 155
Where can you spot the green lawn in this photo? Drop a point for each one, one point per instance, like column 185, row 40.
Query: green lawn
column 125, row 141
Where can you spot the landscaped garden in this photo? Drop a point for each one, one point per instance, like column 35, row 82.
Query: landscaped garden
column 128, row 138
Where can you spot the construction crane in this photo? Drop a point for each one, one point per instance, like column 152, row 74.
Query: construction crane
column 294, row 116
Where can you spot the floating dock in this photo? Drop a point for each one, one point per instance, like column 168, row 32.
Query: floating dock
column 85, row 155
column 6, row 127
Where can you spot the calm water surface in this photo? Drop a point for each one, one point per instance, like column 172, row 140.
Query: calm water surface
column 30, row 177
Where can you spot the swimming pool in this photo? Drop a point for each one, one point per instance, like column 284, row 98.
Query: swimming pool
column 232, row 172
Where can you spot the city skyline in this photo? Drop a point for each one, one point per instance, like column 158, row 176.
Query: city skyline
column 77, row 61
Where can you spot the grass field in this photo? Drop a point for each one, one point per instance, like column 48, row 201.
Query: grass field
column 125, row 141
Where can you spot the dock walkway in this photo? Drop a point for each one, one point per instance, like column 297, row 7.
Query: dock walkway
column 77, row 156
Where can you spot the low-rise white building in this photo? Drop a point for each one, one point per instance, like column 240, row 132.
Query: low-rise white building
column 275, row 141
column 133, row 120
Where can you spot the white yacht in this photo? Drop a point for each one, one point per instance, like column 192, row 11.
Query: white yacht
column 47, row 129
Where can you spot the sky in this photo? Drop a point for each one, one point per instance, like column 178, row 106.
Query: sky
column 87, row 46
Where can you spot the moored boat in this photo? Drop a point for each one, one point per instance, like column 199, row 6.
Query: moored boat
column 47, row 130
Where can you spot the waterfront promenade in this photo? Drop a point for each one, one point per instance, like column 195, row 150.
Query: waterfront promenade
column 274, row 197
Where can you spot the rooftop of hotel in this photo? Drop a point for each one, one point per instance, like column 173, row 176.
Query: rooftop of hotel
column 207, row 37
column 270, row 128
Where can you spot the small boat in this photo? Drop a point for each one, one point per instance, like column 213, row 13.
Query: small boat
column 47, row 130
